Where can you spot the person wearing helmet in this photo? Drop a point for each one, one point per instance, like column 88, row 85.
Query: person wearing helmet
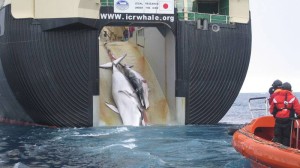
column 274, row 89
column 283, row 107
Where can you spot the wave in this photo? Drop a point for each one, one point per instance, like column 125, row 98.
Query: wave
column 129, row 140
column 105, row 133
column 129, row 146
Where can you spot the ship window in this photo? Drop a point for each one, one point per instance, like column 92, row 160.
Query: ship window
column 140, row 32
column 211, row 6
column 208, row 7
column 2, row 17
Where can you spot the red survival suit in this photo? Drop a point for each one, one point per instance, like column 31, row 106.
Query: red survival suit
column 273, row 95
column 284, row 102
column 283, row 107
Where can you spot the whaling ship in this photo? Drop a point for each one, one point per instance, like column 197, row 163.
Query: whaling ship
column 49, row 52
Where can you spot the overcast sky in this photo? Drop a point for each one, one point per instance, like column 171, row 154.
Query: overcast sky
column 275, row 45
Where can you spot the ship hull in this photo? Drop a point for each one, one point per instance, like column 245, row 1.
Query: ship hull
column 49, row 68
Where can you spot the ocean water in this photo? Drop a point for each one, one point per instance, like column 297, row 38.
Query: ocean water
column 192, row 146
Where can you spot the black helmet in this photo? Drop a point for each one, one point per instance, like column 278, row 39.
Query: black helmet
column 287, row 86
column 277, row 84
column 271, row 90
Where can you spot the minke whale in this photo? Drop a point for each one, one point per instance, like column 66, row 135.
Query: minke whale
column 139, row 84
column 128, row 102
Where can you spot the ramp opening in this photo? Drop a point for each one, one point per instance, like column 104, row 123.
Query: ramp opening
column 151, row 52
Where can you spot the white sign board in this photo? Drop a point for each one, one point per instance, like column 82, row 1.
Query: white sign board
column 144, row 6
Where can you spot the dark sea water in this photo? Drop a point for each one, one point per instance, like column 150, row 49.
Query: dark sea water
column 205, row 146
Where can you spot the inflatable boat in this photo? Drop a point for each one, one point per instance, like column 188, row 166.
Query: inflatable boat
column 254, row 141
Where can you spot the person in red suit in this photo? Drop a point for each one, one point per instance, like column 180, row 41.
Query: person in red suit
column 283, row 107
column 274, row 89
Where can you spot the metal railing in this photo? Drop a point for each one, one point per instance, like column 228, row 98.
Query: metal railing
column 295, row 120
column 107, row 2
column 266, row 105
column 212, row 18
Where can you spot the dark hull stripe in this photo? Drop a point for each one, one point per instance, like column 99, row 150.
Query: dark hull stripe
column 216, row 69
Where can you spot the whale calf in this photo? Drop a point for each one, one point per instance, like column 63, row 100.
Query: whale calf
column 139, row 84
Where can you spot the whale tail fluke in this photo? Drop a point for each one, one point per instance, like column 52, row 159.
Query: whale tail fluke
column 115, row 62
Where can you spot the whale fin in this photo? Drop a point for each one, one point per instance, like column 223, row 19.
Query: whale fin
column 106, row 66
column 112, row 107
column 126, row 93
column 115, row 62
